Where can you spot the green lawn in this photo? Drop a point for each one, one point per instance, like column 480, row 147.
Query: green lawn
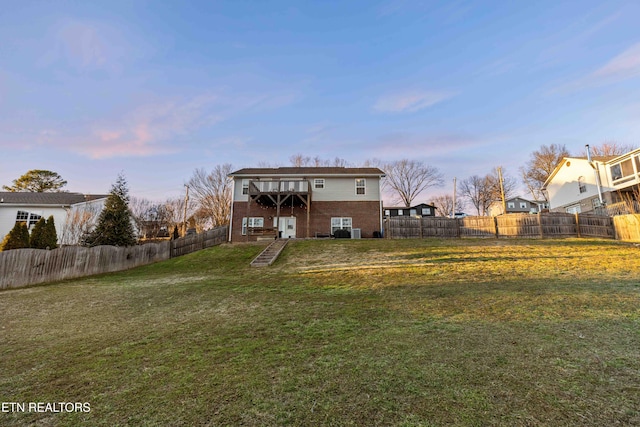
column 338, row 332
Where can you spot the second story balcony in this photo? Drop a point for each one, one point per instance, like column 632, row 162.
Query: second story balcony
column 278, row 187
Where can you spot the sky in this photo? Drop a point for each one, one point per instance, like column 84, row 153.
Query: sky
column 157, row 89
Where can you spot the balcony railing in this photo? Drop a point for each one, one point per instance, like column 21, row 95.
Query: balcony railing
column 297, row 186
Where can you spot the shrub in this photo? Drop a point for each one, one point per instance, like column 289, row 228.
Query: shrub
column 38, row 235
column 342, row 234
column 17, row 238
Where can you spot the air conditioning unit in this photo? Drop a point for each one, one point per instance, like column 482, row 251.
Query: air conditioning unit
column 355, row 233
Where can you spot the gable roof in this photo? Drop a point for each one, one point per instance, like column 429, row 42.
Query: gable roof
column 594, row 159
column 302, row 171
column 410, row 207
column 518, row 198
column 57, row 199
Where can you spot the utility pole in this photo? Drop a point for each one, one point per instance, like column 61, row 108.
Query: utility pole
column 453, row 213
column 504, row 202
column 184, row 215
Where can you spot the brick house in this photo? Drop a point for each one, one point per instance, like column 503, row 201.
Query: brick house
column 304, row 202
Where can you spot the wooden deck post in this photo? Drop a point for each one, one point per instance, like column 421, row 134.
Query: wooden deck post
column 308, row 211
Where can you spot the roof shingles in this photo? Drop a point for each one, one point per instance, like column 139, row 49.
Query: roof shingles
column 61, row 198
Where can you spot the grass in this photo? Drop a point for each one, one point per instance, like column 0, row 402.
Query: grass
column 370, row 332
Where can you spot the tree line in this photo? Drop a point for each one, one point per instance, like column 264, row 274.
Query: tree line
column 210, row 196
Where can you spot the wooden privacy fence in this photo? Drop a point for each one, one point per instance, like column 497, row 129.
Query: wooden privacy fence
column 511, row 225
column 21, row 267
column 195, row 242
column 627, row 227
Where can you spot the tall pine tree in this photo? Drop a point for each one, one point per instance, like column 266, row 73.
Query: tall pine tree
column 115, row 225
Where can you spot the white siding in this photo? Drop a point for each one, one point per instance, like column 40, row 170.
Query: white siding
column 237, row 191
column 344, row 189
column 335, row 189
column 8, row 216
column 564, row 190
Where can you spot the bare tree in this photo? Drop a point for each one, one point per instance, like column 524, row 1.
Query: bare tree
column 475, row 189
column 444, row 205
column 151, row 218
column 212, row 193
column 609, row 149
column 509, row 184
column 139, row 208
column 541, row 164
column 80, row 221
column 407, row 179
column 300, row 160
column 174, row 212
column 483, row 191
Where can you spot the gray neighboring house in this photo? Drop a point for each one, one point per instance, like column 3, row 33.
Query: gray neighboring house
column 514, row 205
column 29, row 207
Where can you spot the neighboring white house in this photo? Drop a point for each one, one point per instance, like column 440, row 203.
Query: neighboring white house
column 29, row 207
column 573, row 185
column 305, row 202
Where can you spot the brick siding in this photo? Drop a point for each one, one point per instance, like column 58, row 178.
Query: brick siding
column 365, row 216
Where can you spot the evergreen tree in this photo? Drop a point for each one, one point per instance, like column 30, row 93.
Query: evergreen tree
column 38, row 235
column 115, row 225
column 17, row 238
column 51, row 234
column 37, row 180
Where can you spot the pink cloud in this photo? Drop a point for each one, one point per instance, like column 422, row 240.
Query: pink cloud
column 87, row 45
column 410, row 101
column 622, row 67
column 149, row 129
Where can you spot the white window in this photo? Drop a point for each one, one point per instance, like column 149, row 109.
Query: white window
column 318, row 183
column 29, row 218
column 245, row 186
column 426, row 211
column 361, row 186
column 574, row 209
column 511, row 205
column 596, row 203
column 340, row 224
column 622, row 169
column 387, row 212
column 400, row 212
column 413, row 212
column 523, row 205
column 581, row 185
column 254, row 222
